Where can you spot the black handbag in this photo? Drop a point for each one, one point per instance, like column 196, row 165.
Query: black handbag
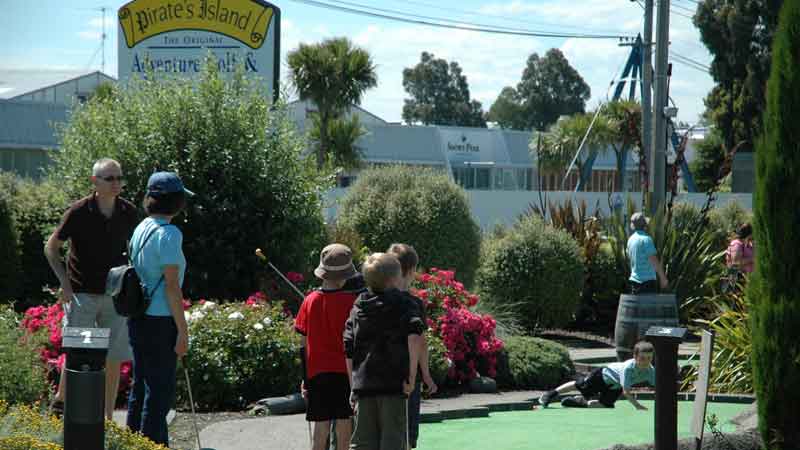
column 131, row 297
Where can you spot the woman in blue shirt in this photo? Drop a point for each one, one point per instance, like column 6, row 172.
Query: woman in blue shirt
column 160, row 337
column 645, row 264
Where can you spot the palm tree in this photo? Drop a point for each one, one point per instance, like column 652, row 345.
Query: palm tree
column 334, row 75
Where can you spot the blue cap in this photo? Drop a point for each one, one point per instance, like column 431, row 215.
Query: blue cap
column 165, row 183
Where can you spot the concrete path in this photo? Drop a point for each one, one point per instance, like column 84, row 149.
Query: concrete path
column 291, row 432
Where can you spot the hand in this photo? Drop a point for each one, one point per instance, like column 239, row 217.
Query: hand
column 353, row 401
column 303, row 390
column 182, row 344
column 664, row 283
column 408, row 387
column 431, row 385
column 65, row 295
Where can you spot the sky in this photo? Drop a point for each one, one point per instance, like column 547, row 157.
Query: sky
column 66, row 35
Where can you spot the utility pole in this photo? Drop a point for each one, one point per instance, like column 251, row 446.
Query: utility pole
column 658, row 161
column 647, row 90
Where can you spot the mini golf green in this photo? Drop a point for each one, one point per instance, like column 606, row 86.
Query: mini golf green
column 557, row 428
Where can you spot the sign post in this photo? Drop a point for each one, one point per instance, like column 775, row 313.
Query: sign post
column 176, row 37
column 666, row 341
column 701, row 388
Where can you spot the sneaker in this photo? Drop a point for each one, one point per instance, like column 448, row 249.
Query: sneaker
column 576, row 401
column 547, row 397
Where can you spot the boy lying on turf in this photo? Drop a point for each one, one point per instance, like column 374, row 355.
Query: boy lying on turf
column 605, row 385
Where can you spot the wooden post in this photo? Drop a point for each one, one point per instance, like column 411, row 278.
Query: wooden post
column 666, row 340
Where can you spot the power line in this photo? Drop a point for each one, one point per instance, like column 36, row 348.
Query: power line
column 693, row 61
column 457, row 22
column 497, row 16
column 466, row 25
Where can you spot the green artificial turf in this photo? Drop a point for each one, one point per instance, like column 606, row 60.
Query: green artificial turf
column 557, row 428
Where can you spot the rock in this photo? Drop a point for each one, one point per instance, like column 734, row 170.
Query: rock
column 483, row 385
column 290, row 404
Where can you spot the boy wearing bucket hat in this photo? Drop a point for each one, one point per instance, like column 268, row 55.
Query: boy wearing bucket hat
column 320, row 321
column 644, row 259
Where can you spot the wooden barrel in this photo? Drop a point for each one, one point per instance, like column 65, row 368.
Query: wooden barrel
column 637, row 313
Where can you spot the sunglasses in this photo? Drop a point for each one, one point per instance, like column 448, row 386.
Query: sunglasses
column 112, row 178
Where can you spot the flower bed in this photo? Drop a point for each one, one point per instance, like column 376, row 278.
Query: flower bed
column 469, row 338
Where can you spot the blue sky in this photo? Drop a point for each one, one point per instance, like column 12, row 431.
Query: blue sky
column 52, row 34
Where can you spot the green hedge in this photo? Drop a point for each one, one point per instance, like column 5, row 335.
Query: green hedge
column 239, row 354
column 9, row 250
column 36, row 208
column 533, row 363
column 536, row 270
column 420, row 207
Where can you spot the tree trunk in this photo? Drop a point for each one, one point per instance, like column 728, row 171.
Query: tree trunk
column 774, row 288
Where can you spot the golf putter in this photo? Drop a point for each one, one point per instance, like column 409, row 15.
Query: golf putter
column 191, row 402
column 263, row 257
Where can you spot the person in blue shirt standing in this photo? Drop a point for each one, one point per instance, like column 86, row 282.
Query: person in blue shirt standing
column 161, row 336
column 645, row 264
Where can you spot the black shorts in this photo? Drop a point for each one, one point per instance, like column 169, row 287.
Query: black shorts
column 328, row 397
column 594, row 387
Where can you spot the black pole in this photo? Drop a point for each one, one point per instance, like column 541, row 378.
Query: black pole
column 84, row 403
column 666, row 341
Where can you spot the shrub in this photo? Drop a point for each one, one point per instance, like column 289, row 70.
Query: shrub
column 607, row 284
column 238, row 354
column 725, row 220
column 37, row 208
column 420, row 207
column 468, row 337
column 239, row 152
column 23, row 427
column 438, row 362
column 9, row 251
column 536, row 269
column 24, row 378
column 533, row 363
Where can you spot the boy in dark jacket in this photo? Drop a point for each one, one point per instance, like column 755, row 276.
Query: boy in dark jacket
column 382, row 339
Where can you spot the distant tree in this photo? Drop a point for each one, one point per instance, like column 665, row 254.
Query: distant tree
column 738, row 34
column 550, row 88
column 439, row 95
column 506, row 111
column 709, row 157
column 563, row 139
column 625, row 123
column 774, row 287
column 333, row 74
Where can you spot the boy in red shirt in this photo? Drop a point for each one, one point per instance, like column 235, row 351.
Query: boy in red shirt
column 321, row 320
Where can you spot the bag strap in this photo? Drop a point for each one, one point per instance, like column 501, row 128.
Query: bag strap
column 141, row 247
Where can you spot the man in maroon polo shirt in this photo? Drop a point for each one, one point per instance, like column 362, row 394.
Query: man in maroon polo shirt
column 98, row 228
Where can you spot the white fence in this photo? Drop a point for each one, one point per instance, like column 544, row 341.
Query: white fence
column 503, row 207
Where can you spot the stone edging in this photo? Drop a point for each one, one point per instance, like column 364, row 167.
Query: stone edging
column 527, row 405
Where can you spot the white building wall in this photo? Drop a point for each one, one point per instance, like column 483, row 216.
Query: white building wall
column 503, row 207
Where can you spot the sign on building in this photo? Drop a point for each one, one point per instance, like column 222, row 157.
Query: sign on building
column 175, row 36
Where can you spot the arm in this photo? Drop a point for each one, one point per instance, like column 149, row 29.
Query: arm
column 424, row 364
column 414, row 343
column 174, row 294
column 654, row 261
column 53, row 255
column 632, row 399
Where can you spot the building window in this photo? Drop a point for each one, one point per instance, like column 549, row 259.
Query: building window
column 483, row 179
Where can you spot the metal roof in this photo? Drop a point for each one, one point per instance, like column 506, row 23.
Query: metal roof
column 15, row 83
column 30, row 124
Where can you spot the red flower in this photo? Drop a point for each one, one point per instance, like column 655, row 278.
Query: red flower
column 295, row 277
